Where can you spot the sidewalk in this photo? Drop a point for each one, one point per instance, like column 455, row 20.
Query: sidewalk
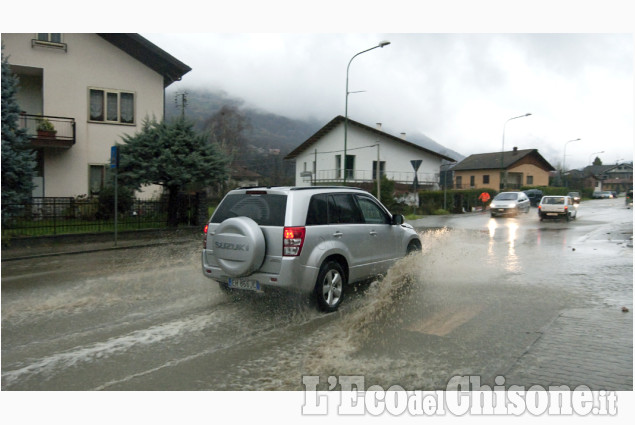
column 31, row 248
column 590, row 346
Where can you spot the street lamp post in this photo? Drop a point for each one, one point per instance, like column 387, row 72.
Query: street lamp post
column 591, row 156
column 564, row 157
column 381, row 44
column 503, row 173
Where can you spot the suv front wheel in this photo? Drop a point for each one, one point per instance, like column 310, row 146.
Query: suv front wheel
column 329, row 286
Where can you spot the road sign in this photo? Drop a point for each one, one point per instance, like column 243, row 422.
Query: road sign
column 416, row 163
column 114, row 156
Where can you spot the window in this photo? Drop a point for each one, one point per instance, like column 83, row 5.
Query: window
column 49, row 37
column 49, row 40
column 96, row 174
column 372, row 213
column 486, row 179
column 349, row 166
column 338, row 166
column 111, row 106
column 266, row 210
column 382, row 169
column 343, row 210
column 471, row 181
column 459, row 182
column 530, row 180
column 318, row 213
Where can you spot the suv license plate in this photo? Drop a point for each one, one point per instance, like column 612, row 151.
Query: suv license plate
column 552, row 213
column 247, row 284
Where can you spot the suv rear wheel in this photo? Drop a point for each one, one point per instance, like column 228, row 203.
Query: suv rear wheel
column 329, row 286
column 413, row 246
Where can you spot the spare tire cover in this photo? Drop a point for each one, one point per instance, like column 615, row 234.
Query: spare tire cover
column 239, row 246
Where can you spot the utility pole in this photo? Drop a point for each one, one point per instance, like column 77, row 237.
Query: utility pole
column 378, row 174
column 183, row 102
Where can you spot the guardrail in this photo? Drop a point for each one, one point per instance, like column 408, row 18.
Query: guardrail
column 361, row 176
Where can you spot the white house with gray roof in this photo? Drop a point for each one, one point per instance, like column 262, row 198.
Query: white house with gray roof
column 319, row 160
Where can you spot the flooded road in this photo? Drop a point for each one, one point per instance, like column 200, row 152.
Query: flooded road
column 481, row 292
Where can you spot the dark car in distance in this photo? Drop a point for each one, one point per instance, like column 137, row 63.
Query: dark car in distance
column 534, row 195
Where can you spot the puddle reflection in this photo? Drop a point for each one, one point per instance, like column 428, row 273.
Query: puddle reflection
column 510, row 262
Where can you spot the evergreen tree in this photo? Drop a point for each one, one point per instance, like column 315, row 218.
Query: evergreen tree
column 18, row 161
column 172, row 155
column 597, row 161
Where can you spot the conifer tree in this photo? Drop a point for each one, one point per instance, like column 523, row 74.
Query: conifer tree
column 172, row 155
column 18, row 161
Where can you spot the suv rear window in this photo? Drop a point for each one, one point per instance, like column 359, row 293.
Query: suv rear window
column 266, row 210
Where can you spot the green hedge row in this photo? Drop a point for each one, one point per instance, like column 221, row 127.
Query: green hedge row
column 458, row 201
column 452, row 201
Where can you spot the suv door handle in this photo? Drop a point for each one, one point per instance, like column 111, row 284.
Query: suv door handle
column 373, row 233
column 338, row 234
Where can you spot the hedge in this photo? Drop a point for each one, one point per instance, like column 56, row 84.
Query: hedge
column 457, row 201
column 463, row 200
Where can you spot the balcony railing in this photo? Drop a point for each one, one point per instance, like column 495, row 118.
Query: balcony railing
column 363, row 176
column 63, row 135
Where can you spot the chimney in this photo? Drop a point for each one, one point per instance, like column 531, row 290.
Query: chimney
column 378, row 126
column 515, row 150
column 403, row 136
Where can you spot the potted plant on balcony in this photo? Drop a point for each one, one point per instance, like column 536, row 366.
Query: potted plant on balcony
column 45, row 128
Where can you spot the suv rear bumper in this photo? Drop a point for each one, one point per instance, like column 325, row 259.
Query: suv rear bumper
column 293, row 277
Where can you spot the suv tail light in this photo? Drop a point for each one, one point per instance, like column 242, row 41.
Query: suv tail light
column 293, row 240
column 205, row 236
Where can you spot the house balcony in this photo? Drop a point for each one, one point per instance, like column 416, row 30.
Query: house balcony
column 424, row 180
column 61, row 137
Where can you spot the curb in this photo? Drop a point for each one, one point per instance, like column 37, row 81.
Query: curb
column 93, row 250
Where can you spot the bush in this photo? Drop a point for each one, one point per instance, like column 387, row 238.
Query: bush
column 125, row 201
column 85, row 208
column 387, row 193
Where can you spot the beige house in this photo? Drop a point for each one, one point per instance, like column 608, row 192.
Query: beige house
column 93, row 88
column 502, row 170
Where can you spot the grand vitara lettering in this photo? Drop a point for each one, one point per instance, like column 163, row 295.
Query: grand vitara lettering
column 232, row 246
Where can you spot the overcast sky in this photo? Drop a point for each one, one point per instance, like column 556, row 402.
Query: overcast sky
column 455, row 71
column 458, row 89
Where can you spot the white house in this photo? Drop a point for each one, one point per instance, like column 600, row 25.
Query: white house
column 319, row 159
column 93, row 88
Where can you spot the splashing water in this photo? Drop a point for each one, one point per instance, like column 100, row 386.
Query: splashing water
column 379, row 306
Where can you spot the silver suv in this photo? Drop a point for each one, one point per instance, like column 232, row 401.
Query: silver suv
column 311, row 240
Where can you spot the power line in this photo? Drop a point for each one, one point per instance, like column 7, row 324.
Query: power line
column 349, row 149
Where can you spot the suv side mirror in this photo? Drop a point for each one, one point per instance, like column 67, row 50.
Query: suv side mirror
column 398, row 219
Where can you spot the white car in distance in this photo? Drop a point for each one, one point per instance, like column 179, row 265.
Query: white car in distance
column 557, row 207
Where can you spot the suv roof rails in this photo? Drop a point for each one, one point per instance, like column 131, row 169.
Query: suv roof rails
column 326, row 187
column 300, row 187
column 258, row 187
